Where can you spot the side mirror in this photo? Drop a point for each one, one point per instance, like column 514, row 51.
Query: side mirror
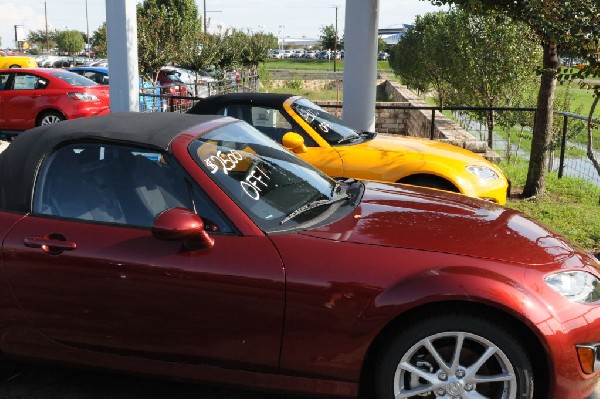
column 182, row 224
column 294, row 142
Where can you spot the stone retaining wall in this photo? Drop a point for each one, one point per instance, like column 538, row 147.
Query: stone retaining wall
column 391, row 121
column 446, row 130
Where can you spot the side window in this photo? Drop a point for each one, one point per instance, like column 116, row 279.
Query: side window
column 270, row 118
column 25, row 82
column 269, row 121
column 4, row 80
column 117, row 184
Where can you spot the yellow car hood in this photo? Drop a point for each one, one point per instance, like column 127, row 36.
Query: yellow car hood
column 392, row 158
column 416, row 147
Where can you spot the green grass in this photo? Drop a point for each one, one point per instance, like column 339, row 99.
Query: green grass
column 325, row 95
column 570, row 206
column 580, row 99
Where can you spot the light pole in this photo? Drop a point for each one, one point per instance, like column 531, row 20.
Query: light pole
column 335, row 39
column 281, row 34
column 204, row 22
column 87, row 23
column 46, row 16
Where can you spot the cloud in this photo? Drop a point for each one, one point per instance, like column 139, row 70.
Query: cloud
column 14, row 14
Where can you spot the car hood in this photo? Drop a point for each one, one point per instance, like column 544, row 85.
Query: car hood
column 401, row 216
column 401, row 145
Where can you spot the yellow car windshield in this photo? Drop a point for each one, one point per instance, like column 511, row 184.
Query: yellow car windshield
column 328, row 126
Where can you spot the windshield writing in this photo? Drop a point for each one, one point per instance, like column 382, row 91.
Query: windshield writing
column 327, row 125
column 264, row 179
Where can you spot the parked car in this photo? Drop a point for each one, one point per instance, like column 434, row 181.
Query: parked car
column 310, row 54
column 97, row 74
column 16, row 61
column 183, row 82
column 383, row 56
column 194, row 247
column 35, row 97
column 277, row 54
column 326, row 142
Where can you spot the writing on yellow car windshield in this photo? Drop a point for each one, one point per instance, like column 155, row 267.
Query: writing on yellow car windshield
column 310, row 117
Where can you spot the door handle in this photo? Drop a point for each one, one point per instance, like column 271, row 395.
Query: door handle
column 53, row 244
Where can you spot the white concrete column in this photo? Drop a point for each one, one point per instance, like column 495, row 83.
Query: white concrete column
column 360, row 63
column 121, row 37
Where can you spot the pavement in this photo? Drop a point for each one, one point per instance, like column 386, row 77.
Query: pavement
column 20, row 380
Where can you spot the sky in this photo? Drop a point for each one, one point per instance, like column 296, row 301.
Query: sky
column 287, row 18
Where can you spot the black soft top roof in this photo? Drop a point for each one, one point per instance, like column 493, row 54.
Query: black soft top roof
column 211, row 105
column 20, row 161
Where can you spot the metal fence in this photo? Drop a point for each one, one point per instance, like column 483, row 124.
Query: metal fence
column 180, row 98
column 509, row 133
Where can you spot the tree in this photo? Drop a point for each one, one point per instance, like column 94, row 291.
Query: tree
column 37, row 38
column 328, row 38
column 476, row 60
column 168, row 31
column 257, row 50
column 570, row 25
column 233, row 44
column 99, row 41
column 421, row 56
column 155, row 47
column 381, row 44
column 70, row 41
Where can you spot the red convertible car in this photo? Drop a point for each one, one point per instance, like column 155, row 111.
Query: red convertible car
column 194, row 247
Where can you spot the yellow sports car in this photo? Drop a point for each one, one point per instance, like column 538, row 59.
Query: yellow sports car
column 16, row 61
column 324, row 141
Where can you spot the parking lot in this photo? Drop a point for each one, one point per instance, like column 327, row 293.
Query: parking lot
column 27, row 381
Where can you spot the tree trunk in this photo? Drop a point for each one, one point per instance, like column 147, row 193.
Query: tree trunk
column 590, row 145
column 490, row 119
column 542, row 129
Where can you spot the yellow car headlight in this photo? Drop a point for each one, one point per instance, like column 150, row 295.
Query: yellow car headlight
column 483, row 172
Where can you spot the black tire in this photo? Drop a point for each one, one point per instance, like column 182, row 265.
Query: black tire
column 429, row 181
column 15, row 66
column 49, row 118
column 423, row 376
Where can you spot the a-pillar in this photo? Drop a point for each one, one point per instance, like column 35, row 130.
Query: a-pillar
column 360, row 63
column 121, row 37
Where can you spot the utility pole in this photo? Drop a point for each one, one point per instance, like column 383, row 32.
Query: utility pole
column 87, row 22
column 335, row 40
column 204, row 21
column 47, row 39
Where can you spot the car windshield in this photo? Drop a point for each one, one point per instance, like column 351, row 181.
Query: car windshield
column 73, row 79
column 273, row 187
column 328, row 126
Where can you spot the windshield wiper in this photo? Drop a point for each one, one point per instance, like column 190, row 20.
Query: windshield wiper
column 345, row 139
column 312, row 205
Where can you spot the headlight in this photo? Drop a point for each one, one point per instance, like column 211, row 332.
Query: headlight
column 483, row 172
column 577, row 286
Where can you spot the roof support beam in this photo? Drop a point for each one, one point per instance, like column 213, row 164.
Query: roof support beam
column 121, row 32
column 360, row 63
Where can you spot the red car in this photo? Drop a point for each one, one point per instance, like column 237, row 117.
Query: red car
column 194, row 247
column 35, row 97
